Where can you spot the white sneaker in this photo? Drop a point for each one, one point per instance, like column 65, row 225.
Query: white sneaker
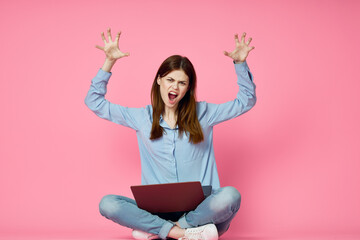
column 206, row 232
column 137, row 234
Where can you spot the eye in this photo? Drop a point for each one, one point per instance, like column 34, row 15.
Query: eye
column 170, row 79
column 183, row 83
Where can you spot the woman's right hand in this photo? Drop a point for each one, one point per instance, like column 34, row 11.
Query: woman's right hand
column 111, row 48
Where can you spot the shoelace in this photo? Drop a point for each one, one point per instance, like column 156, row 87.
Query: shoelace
column 193, row 234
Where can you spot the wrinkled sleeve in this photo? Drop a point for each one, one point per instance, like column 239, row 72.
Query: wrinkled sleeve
column 244, row 101
column 96, row 102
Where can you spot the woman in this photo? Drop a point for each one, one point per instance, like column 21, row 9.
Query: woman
column 175, row 142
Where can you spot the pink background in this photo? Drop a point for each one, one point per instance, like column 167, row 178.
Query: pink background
column 294, row 156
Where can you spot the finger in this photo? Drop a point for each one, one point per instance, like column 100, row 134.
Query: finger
column 248, row 42
column 237, row 39
column 99, row 47
column 117, row 37
column 127, row 54
column 103, row 37
column 109, row 34
column 243, row 37
column 229, row 54
column 251, row 48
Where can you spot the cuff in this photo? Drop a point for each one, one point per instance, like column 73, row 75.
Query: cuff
column 102, row 76
column 241, row 67
column 242, row 71
column 164, row 231
column 183, row 223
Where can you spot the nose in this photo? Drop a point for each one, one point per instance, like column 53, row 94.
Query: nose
column 175, row 85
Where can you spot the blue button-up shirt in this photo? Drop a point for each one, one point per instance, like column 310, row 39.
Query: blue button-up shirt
column 172, row 158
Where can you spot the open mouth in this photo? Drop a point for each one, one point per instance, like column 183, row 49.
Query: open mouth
column 172, row 97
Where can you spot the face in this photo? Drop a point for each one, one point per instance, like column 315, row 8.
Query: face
column 173, row 88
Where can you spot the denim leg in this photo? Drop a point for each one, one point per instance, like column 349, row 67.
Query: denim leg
column 219, row 208
column 125, row 212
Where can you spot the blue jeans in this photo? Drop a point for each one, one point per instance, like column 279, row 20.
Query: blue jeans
column 219, row 208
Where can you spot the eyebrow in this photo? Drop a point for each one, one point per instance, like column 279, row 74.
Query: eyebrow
column 179, row 80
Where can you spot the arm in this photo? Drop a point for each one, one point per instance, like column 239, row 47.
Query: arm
column 246, row 97
column 95, row 98
column 244, row 101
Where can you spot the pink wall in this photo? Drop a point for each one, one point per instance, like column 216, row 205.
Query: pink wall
column 294, row 157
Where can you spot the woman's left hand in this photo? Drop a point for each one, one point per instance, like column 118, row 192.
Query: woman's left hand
column 242, row 49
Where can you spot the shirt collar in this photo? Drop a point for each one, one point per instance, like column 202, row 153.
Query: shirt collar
column 164, row 124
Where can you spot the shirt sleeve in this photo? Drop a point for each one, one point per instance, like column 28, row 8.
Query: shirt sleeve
column 244, row 101
column 96, row 102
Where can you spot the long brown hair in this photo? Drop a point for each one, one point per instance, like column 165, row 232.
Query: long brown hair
column 187, row 120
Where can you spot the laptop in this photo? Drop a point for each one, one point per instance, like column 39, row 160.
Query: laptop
column 170, row 197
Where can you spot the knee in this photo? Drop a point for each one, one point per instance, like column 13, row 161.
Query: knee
column 232, row 194
column 108, row 206
column 231, row 198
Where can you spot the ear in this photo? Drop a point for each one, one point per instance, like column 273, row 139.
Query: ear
column 158, row 80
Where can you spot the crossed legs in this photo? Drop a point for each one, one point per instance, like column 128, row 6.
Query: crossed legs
column 219, row 208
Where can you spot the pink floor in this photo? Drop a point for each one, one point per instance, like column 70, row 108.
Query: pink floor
column 112, row 236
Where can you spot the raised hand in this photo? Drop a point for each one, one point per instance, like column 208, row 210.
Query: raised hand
column 111, row 48
column 242, row 49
